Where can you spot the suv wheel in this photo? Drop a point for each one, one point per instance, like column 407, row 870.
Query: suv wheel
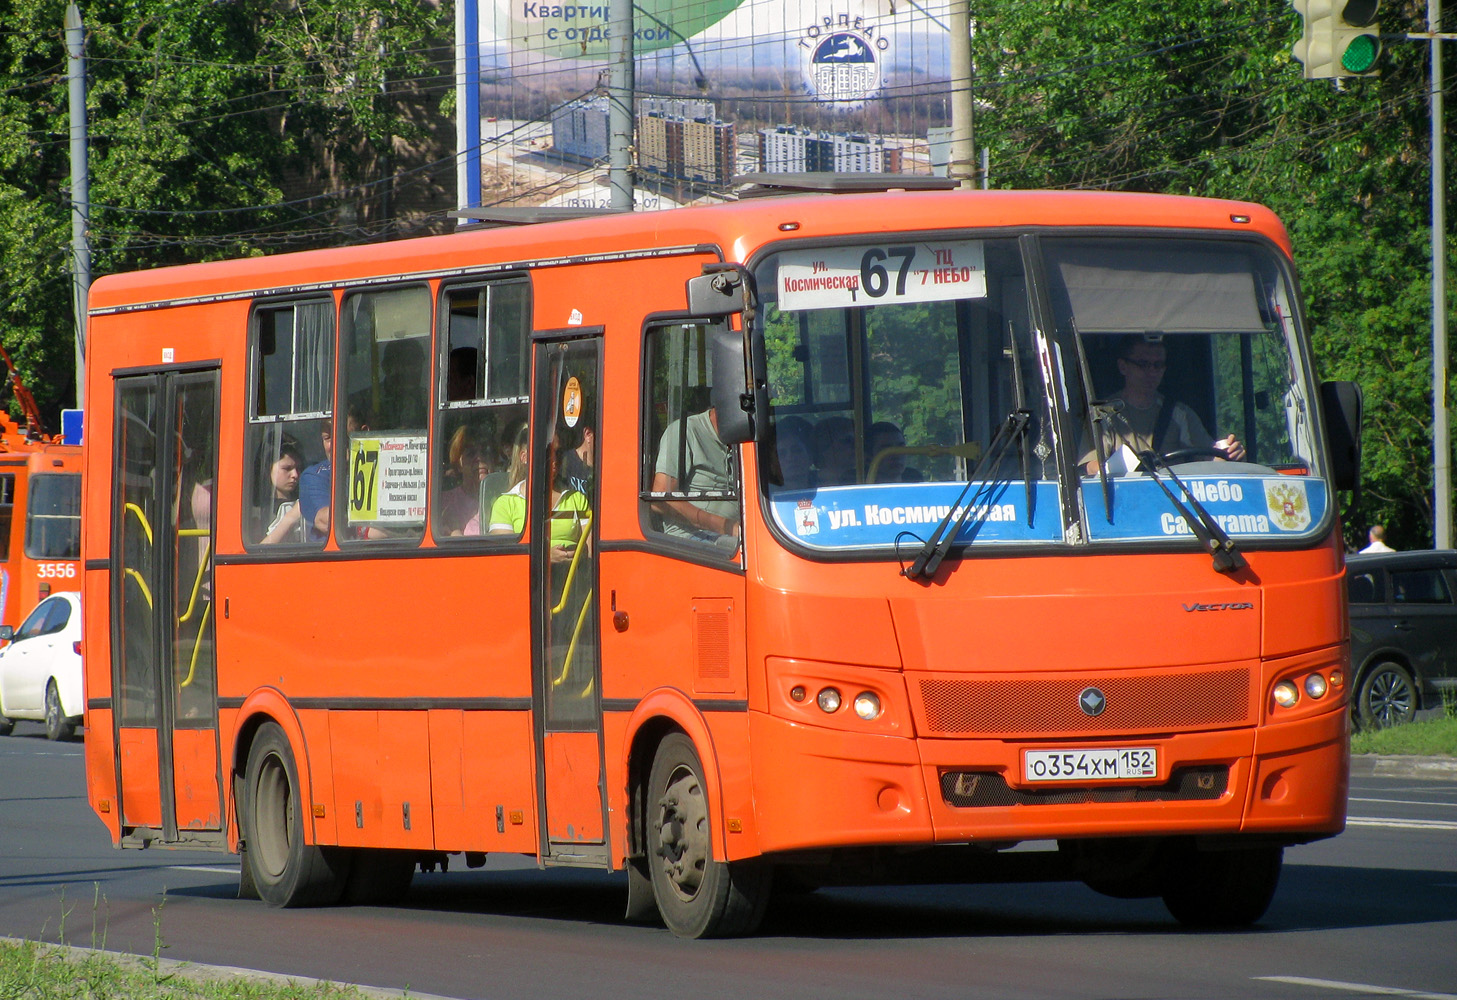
column 1387, row 697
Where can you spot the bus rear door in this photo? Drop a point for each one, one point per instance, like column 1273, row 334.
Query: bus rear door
column 163, row 672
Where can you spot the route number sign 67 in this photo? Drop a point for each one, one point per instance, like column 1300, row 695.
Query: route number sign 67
column 845, row 277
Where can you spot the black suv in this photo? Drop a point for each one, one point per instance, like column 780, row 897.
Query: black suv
column 1403, row 632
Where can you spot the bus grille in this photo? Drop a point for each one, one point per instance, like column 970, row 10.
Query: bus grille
column 970, row 789
column 1049, row 706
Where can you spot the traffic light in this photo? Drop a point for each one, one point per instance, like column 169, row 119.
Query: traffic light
column 1339, row 37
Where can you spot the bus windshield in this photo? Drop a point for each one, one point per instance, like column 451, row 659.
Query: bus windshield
column 892, row 367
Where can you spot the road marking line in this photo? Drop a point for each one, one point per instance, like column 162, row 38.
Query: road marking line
column 1404, row 802
column 211, row 869
column 1400, row 824
column 1333, row 984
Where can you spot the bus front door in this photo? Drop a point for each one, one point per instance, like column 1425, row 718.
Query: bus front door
column 164, row 680
column 567, row 694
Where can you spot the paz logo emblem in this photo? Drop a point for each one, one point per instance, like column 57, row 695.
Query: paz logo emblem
column 1092, row 702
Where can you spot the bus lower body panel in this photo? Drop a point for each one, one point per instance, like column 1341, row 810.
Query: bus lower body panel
column 819, row 788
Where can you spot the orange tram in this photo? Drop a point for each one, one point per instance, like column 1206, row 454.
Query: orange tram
column 825, row 538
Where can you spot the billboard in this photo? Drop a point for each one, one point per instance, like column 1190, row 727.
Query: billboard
column 873, row 75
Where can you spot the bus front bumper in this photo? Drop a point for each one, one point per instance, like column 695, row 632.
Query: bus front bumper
column 818, row 788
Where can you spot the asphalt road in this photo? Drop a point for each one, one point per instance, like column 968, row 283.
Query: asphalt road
column 1371, row 912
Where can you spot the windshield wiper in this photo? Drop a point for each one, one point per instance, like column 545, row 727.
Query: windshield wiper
column 934, row 550
column 1227, row 558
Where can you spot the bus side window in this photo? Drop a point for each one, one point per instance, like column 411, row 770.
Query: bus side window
column 381, row 470
column 481, row 394
column 290, row 416
column 690, row 488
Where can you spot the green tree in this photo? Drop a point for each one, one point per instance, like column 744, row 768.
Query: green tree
column 1203, row 97
column 217, row 129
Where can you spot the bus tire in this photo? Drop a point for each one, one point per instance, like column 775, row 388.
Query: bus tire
column 1387, row 696
column 58, row 727
column 285, row 870
column 1221, row 888
column 697, row 896
column 7, row 725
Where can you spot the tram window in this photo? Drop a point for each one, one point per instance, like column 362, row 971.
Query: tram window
column 289, row 422
column 690, row 477
column 53, row 516
column 382, row 471
column 483, row 337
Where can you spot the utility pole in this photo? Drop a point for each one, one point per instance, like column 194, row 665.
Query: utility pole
column 80, row 187
column 962, row 163
column 619, row 105
column 1441, row 440
column 467, row 106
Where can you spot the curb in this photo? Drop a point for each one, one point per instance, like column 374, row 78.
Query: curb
column 198, row 971
column 1426, row 768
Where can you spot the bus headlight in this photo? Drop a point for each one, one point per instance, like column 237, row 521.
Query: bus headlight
column 1315, row 686
column 867, row 705
column 829, row 699
column 1286, row 694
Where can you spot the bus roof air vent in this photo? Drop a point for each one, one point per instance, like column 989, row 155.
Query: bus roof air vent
column 762, row 185
column 492, row 217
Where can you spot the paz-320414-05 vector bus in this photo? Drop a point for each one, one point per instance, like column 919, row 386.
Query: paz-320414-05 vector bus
column 822, row 537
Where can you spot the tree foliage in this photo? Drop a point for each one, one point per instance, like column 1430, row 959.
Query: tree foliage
column 1203, row 97
column 217, row 129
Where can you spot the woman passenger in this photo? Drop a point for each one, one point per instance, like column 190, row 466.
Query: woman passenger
column 569, row 508
column 469, row 464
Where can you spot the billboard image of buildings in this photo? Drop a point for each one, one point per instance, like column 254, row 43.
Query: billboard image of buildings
column 721, row 88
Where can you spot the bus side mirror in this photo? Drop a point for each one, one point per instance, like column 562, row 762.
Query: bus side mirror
column 1340, row 404
column 721, row 290
column 732, row 396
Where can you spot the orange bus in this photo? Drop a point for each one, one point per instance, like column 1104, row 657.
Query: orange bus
column 817, row 539
column 40, row 519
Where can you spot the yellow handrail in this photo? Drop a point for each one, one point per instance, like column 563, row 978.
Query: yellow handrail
column 576, row 557
column 572, row 646
column 141, row 582
column 197, row 644
column 197, row 584
column 142, row 517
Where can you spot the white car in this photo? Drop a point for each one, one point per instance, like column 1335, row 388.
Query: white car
column 40, row 668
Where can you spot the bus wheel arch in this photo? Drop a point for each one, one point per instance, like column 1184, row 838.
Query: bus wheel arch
column 657, row 716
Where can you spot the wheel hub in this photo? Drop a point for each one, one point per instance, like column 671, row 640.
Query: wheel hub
column 683, row 843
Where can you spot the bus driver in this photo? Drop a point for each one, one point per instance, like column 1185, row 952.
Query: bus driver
column 1146, row 414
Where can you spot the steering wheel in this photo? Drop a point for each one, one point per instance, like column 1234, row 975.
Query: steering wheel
column 1193, row 454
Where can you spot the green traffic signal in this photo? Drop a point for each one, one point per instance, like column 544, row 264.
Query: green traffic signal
column 1360, row 54
column 1339, row 38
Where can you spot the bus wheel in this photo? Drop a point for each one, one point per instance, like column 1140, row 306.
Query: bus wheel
column 57, row 728
column 1388, row 697
column 1221, row 888
column 696, row 895
column 286, row 871
column 7, row 726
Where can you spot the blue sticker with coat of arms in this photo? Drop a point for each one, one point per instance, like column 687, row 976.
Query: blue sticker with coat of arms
column 1244, row 506
column 848, row 517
